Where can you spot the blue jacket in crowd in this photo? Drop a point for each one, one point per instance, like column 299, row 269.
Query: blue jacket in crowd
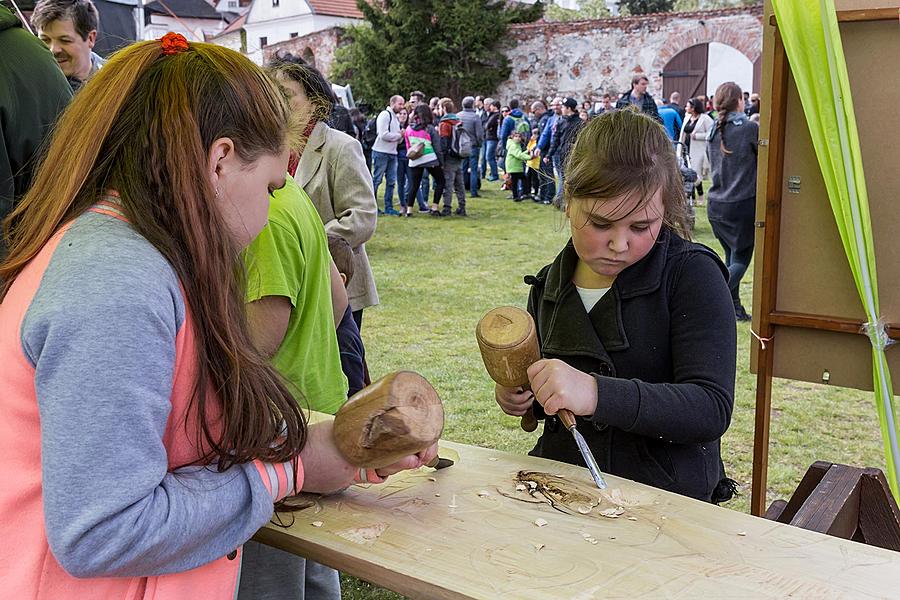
column 671, row 121
column 547, row 135
column 509, row 124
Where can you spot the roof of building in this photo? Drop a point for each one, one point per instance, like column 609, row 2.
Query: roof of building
column 336, row 8
column 188, row 9
column 236, row 25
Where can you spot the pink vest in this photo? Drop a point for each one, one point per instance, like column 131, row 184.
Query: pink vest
column 34, row 571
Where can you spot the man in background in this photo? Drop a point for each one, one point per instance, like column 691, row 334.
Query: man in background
column 69, row 29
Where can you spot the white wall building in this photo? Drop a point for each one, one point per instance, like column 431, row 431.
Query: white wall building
column 194, row 19
column 272, row 21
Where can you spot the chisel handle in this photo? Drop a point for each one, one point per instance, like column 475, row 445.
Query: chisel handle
column 529, row 421
column 568, row 419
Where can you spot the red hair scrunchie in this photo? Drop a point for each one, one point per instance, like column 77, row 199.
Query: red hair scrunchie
column 173, row 43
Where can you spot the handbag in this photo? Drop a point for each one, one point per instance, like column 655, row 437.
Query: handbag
column 416, row 151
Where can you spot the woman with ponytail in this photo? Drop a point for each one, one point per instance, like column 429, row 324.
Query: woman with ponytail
column 732, row 149
column 144, row 438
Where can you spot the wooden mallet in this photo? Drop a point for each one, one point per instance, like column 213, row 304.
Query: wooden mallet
column 398, row 415
column 508, row 342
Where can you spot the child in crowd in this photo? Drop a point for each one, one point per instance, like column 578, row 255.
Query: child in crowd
column 353, row 354
column 423, row 152
column 515, row 165
column 533, row 165
column 647, row 370
column 145, row 438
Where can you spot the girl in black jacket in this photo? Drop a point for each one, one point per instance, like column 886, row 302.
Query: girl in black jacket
column 627, row 347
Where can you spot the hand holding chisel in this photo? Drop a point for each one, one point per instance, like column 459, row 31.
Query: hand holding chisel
column 508, row 343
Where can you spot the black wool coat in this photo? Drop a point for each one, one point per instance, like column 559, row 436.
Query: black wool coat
column 661, row 345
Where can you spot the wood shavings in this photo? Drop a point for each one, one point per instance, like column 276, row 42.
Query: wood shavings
column 492, row 458
column 612, row 537
column 742, row 533
column 584, row 509
column 520, row 487
column 437, row 495
column 432, row 479
column 364, row 535
column 540, row 522
column 484, row 493
column 537, row 547
column 632, row 518
column 613, row 513
column 316, row 523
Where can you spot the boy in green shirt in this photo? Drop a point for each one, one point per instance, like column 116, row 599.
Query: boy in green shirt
column 289, row 291
column 291, row 281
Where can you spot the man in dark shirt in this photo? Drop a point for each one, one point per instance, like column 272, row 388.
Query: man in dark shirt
column 639, row 96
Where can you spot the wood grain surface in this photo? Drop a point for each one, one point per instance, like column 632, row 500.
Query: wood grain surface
column 466, row 532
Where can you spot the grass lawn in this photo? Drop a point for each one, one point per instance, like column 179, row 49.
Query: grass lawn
column 437, row 277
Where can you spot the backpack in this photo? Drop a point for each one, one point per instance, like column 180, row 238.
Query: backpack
column 460, row 142
column 370, row 133
column 521, row 125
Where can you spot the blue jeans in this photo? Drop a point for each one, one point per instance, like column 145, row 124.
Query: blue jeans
column 490, row 155
column 470, row 170
column 385, row 167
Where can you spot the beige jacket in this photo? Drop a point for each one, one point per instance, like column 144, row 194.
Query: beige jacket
column 333, row 173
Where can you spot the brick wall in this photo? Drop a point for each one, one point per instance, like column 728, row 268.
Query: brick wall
column 582, row 58
column 317, row 48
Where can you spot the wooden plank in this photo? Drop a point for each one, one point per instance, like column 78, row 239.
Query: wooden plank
column 826, row 323
column 810, row 480
column 767, row 273
column 879, row 516
column 833, row 506
column 848, row 16
column 453, row 534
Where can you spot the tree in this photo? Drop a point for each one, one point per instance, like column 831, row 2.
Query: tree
column 445, row 48
column 646, row 7
column 587, row 9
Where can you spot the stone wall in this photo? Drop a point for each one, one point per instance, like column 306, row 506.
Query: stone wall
column 316, row 48
column 584, row 58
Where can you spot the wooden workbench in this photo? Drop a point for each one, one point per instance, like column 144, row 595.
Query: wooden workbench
column 453, row 534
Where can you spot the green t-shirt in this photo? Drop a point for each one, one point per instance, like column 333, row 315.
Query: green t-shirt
column 290, row 258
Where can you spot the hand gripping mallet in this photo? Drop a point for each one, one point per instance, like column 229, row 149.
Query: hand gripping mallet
column 507, row 338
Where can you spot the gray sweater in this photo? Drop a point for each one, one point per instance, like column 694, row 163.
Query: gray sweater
column 733, row 172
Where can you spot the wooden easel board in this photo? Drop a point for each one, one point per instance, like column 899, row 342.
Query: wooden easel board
column 813, row 276
column 452, row 534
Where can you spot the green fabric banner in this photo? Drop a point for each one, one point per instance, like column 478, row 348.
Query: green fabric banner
column 812, row 42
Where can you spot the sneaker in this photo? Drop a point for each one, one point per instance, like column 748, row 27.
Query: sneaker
column 392, row 212
column 435, row 213
column 424, row 209
column 741, row 314
column 544, row 202
column 519, row 199
column 461, row 212
column 380, row 212
column 446, row 212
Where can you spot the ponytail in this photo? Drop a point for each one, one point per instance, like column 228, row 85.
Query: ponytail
column 726, row 100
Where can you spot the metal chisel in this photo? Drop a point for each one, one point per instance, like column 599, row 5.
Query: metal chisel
column 568, row 419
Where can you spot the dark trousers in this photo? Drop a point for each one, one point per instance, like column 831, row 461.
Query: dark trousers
column 732, row 224
column 532, row 182
column 402, row 176
column 415, row 174
column 548, row 182
column 517, row 183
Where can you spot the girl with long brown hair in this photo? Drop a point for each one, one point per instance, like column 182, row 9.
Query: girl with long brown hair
column 144, row 439
column 732, row 149
column 647, row 370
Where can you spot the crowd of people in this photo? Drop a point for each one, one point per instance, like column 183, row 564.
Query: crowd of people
column 185, row 267
column 489, row 140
